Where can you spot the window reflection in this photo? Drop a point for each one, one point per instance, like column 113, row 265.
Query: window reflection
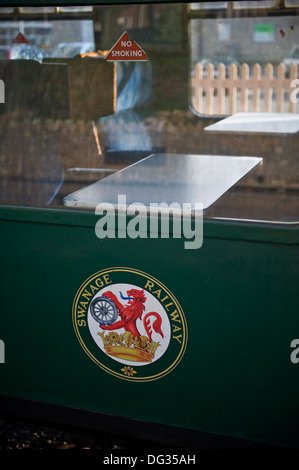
column 71, row 118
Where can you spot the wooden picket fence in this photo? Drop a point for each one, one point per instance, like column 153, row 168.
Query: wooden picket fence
column 225, row 93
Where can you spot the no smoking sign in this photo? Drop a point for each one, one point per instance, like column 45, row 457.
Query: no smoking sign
column 126, row 50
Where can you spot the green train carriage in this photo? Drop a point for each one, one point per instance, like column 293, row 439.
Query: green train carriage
column 184, row 315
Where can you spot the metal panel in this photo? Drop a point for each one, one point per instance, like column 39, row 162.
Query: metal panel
column 168, row 178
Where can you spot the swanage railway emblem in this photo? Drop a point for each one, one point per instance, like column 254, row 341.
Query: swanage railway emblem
column 130, row 324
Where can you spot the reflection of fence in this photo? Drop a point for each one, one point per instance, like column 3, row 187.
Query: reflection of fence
column 224, row 91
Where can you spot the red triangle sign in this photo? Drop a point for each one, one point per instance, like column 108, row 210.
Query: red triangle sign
column 20, row 39
column 127, row 50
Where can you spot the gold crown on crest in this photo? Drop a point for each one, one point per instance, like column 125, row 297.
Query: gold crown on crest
column 126, row 346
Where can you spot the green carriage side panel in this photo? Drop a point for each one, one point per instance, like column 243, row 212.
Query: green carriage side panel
column 237, row 293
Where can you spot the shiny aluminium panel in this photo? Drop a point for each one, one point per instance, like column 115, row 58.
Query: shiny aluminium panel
column 257, row 123
column 168, row 178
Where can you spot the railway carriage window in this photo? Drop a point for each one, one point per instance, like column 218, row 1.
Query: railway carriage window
column 244, row 79
column 216, row 78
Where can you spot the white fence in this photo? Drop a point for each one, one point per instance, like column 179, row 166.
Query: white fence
column 227, row 91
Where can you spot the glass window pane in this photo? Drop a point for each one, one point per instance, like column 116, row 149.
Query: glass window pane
column 85, row 92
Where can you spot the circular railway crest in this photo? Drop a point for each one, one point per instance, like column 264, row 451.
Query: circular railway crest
column 130, row 324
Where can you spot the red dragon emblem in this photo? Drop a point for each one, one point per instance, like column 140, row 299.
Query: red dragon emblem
column 133, row 311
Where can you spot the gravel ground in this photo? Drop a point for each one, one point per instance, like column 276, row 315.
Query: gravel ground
column 32, row 435
column 19, row 434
